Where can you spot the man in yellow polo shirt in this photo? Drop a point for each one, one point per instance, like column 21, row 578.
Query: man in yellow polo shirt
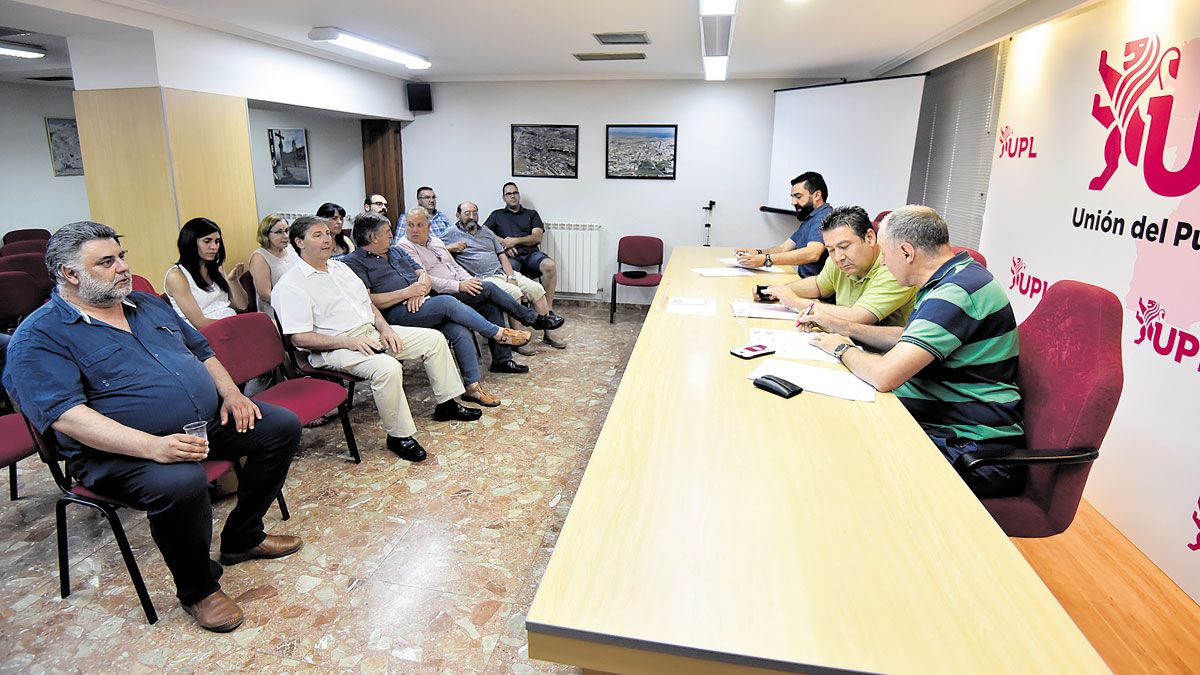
column 865, row 291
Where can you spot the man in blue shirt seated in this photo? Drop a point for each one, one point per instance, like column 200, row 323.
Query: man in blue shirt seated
column 438, row 220
column 806, row 247
column 117, row 375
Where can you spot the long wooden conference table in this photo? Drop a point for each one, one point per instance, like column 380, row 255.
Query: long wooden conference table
column 719, row 528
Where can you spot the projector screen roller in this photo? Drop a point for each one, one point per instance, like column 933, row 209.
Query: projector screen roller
column 860, row 136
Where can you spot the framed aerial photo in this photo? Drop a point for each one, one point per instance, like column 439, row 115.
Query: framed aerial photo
column 66, row 159
column 545, row 150
column 289, row 157
column 640, row 151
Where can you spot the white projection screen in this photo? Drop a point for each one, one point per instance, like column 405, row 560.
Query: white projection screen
column 860, row 136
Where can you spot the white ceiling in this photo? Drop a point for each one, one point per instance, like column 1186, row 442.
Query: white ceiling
column 534, row 39
column 54, row 64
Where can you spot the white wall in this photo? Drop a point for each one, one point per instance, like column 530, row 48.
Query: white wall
column 31, row 194
column 723, row 153
column 335, row 160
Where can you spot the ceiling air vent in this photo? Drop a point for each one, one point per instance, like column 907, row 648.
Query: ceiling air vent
column 637, row 38
column 619, row 56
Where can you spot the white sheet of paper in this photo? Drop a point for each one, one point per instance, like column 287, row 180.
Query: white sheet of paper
column 734, row 262
column 679, row 304
column 790, row 344
column 757, row 310
column 722, row 272
column 838, row 383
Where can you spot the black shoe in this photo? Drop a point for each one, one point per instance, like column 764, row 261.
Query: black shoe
column 508, row 366
column 407, row 448
column 548, row 321
column 454, row 411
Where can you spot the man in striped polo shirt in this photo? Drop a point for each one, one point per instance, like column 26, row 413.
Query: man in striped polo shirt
column 954, row 365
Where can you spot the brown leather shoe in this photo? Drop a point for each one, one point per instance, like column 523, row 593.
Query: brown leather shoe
column 477, row 394
column 513, row 338
column 218, row 613
column 274, row 546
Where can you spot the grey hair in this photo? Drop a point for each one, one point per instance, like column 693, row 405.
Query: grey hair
column 300, row 226
column 366, row 225
column 64, row 247
column 416, row 211
column 920, row 226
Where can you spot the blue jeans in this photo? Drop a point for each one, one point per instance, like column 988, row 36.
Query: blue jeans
column 987, row 481
column 493, row 303
column 456, row 321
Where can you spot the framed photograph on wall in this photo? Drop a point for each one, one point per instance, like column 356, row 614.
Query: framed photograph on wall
column 65, row 157
column 545, row 151
column 289, row 157
column 640, row 151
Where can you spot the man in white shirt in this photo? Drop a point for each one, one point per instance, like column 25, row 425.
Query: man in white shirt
column 327, row 311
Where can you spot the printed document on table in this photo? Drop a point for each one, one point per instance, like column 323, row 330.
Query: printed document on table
column 757, row 310
column 790, row 344
column 722, row 272
column 734, row 262
column 838, row 383
column 678, row 304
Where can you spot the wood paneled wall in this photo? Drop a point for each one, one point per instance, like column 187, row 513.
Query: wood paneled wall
column 158, row 157
column 383, row 163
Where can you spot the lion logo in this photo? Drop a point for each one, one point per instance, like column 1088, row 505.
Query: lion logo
column 1018, row 265
column 1006, row 133
column 1149, row 313
column 1143, row 137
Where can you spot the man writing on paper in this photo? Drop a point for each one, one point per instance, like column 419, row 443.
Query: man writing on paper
column 954, row 364
column 804, row 248
column 854, row 272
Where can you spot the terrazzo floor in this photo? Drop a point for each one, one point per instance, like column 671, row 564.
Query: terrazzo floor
column 406, row 568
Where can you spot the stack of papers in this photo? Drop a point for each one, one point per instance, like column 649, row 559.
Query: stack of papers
column 790, row 344
column 758, row 310
column 734, row 262
column 722, row 272
column 678, row 304
column 841, row 384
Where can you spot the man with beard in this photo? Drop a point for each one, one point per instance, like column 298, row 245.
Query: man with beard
column 866, row 292
column 117, row 375
column 805, row 248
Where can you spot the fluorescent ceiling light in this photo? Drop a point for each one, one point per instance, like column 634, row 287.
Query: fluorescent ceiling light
column 714, row 67
column 341, row 38
column 717, row 7
column 21, row 51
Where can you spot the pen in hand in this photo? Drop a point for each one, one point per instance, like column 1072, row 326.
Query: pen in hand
column 803, row 315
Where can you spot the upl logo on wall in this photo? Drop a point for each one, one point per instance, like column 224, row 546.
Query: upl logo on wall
column 1168, row 341
column 1012, row 145
column 1141, row 86
column 1024, row 283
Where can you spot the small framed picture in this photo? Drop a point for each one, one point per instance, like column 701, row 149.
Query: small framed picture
column 66, row 159
column 640, row 151
column 289, row 157
column 545, row 151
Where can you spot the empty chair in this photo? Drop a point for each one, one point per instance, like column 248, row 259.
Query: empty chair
column 141, row 283
column 1070, row 378
column 26, row 235
column 249, row 345
column 971, row 252
column 638, row 251
column 18, row 297
column 26, row 246
column 33, row 264
column 16, row 444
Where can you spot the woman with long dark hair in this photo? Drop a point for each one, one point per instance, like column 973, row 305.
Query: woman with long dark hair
column 336, row 215
column 199, row 289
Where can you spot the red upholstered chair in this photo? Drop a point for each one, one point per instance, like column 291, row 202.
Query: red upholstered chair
column 18, row 297
column 74, row 493
column 26, row 235
column 299, row 364
column 879, row 219
column 27, row 246
column 33, row 264
column 247, row 282
column 141, row 283
column 248, row 345
column 1070, row 377
column 971, row 252
column 638, row 251
column 16, row 444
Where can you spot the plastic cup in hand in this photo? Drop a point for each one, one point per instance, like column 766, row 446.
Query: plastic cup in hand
column 198, row 429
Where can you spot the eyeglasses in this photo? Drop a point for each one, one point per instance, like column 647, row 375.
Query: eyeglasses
column 428, row 197
column 511, row 194
column 378, row 203
column 278, row 232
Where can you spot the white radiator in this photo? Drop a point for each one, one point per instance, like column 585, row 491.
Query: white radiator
column 576, row 249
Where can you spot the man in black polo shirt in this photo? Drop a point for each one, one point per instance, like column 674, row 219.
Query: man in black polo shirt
column 520, row 231
column 118, row 375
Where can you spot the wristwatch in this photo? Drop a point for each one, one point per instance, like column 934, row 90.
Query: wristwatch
column 840, row 351
column 768, row 262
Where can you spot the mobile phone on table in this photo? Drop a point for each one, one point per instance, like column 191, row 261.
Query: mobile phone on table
column 752, row 351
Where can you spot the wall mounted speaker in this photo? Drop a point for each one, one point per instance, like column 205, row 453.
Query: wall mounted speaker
column 420, row 98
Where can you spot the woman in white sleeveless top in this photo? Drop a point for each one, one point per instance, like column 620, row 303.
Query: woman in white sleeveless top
column 271, row 259
column 199, row 289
